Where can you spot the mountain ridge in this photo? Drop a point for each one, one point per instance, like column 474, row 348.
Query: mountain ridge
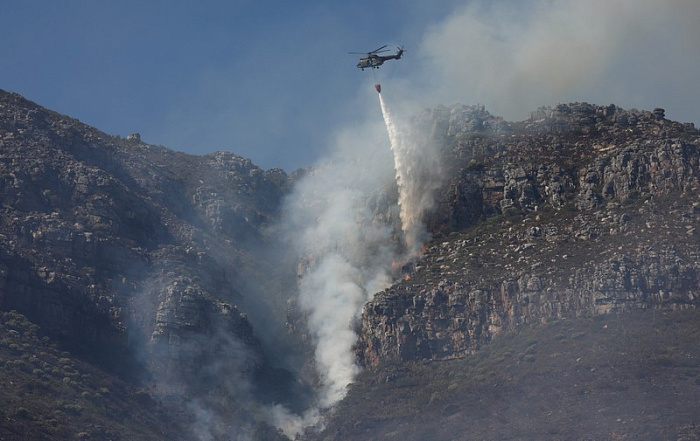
column 558, row 198
column 114, row 248
column 148, row 262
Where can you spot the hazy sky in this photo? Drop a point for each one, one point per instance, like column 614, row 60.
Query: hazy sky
column 272, row 80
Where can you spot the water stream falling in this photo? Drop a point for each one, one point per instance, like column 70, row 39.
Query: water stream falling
column 410, row 194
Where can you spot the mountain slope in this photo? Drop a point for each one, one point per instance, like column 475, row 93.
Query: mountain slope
column 133, row 256
column 613, row 377
column 560, row 284
column 576, row 222
column 48, row 394
column 555, row 242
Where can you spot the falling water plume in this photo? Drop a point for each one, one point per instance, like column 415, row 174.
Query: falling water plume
column 410, row 195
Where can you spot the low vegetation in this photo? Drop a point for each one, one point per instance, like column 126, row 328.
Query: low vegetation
column 48, row 394
column 627, row 377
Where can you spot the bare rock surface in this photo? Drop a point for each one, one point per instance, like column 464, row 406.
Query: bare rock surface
column 581, row 210
column 125, row 251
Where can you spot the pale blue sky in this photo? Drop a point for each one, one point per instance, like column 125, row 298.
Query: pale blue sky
column 269, row 80
column 272, row 80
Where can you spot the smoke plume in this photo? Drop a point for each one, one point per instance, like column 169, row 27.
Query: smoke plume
column 349, row 220
column 516, row 56
column 346, row 257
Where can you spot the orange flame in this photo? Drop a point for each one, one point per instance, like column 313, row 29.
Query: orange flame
column 424, row 248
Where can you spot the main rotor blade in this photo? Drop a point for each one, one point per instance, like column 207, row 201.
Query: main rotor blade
column 379, row 49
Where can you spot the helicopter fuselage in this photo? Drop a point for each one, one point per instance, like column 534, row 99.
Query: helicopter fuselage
column 373, row 60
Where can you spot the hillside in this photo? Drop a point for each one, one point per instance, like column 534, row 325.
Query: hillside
column 132, row 257
column 635, row 376
column 573, row 216
column 570, row 238
column 556, row 293
column 48, row 394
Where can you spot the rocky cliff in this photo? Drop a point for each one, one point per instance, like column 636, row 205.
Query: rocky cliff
column 148, row 262
column 580, row 210
column 129, row 254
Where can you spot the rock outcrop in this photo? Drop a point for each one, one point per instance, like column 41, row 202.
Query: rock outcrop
column 127, row 252
column 580, row 210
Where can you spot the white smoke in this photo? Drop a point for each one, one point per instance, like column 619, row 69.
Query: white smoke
column 346, row 250
column 290, row 423
column 333, row 293
column 349, row 229
column 516, row 56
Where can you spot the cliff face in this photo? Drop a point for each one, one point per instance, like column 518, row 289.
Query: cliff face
column 581, row 210
column 124, row 251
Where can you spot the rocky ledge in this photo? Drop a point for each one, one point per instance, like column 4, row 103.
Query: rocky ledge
column 580, row 210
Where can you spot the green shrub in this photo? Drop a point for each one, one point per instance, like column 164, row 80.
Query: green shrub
column 50, row 423
column 23, row 413
column 529, row 358
column 73, row 409
column 22, row 365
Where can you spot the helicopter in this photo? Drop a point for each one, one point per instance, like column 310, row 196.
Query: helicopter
column 373, row 60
